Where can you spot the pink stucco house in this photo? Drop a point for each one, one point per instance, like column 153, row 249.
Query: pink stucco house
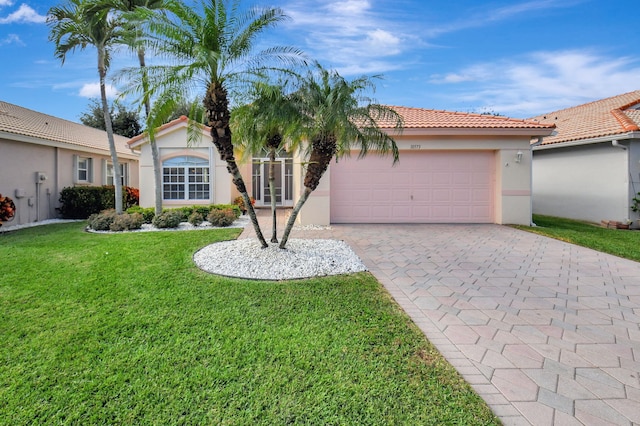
column 454, row 168
column 41, row 154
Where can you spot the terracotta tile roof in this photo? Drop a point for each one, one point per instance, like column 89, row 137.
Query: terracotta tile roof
column 418, row 118
column 25, row 122
column 607, row 117
column 141, row 139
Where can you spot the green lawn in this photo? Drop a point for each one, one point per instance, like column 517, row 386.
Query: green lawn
column 124, row 329
column 622, row 243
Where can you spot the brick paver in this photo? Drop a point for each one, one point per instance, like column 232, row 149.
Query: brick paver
column 546, row 332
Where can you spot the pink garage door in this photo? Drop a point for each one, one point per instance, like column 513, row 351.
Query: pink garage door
column 424, row 187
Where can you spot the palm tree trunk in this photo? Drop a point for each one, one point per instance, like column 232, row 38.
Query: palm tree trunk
column 155, row 155
column 272, row 193
column 216, row 104
column 117, row 176
column 294, row 215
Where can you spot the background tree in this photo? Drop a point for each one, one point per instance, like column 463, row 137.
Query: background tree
column 125, row 121
column 336, row 117
column 268, row 121
column 214, row 46
column 77, row 25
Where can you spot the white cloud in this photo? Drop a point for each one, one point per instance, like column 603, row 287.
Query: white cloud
column 5, row 3
column 24, row 14
column 350, row 35
column 544, row 81
column 92, row 90
column 12, row 39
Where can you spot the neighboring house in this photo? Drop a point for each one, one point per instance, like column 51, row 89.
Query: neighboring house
column 41, row 154
column 589, row 168
column 192, row 172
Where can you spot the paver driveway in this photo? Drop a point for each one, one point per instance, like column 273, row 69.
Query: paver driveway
column 548, row 333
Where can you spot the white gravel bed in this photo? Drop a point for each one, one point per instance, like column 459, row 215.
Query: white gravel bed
column 241, row 222
column 301, row 259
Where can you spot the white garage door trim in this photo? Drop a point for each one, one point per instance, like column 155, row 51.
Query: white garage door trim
column 424, row 187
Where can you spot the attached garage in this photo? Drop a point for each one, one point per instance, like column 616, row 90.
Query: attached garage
column 454, row 168
column 423, row 187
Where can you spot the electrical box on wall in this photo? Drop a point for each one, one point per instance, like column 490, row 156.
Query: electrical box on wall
column 20, row 193
column 40, row 177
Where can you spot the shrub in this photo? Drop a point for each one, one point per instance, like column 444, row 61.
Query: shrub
column 147, row 213
column 196, row 219
column 80, row 202
column 7, row 209
column 127, row 222
column 102, row 221
column 168, row 219
column 221, row 217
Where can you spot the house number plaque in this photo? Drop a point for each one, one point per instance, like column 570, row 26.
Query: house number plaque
column 416, row 146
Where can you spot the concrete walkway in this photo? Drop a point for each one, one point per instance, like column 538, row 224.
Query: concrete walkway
column 548, row 333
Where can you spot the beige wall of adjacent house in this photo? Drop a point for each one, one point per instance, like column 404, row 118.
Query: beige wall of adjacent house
column 589, row 182
column 513, row 179
column 173, row 144
column 20, row 163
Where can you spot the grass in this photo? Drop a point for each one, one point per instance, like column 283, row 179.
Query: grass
column 124, row 329
column 622, row 243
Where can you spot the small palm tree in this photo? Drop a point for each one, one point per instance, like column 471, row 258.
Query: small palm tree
column 77, row 25
column 214, row 47
column 265, row 123
column 336, row 118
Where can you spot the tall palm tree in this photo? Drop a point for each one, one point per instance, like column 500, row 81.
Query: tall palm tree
column 337, row 116
column 267, row 122
column 77, row 25
column 134, row 27
column 214, row 46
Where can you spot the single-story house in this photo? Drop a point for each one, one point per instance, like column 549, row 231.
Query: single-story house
column 454, row 168
column 589, row 168
column 192, row 172
column 41, row 154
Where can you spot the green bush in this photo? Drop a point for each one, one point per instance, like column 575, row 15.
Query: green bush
column 80, row 202
column 127, row 222
column 221, row 217
column 102, row 221
column 195, row 219
column 168, row 219
column 147, row 213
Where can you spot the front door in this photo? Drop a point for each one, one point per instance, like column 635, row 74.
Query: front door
column 283, row 181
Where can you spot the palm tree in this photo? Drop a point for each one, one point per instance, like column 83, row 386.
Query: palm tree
column 135, row 40
column 215, row 51
column 77, row 25
column 336, row 117
column 265, row 123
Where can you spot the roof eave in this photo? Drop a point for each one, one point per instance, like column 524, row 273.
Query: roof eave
column 590, row 141
column 72, row 147
column 471, row 131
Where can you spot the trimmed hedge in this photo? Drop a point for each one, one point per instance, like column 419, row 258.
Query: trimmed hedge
column 80, row 202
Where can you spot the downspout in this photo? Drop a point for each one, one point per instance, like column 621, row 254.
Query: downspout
column 531, row 186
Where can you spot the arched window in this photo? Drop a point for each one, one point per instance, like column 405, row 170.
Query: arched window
column 186, row 178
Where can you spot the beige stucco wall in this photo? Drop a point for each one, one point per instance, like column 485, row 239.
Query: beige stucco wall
column 173, row 143
column 513, row 180
column 589, row 182
column 19, row 163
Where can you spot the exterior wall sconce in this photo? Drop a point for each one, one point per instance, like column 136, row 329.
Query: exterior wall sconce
column 518, row 158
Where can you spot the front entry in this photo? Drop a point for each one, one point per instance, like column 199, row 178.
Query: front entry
column 283, row 182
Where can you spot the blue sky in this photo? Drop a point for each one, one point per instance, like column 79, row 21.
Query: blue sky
column 515, row 58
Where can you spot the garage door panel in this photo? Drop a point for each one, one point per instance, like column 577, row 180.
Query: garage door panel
column 424, row 187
